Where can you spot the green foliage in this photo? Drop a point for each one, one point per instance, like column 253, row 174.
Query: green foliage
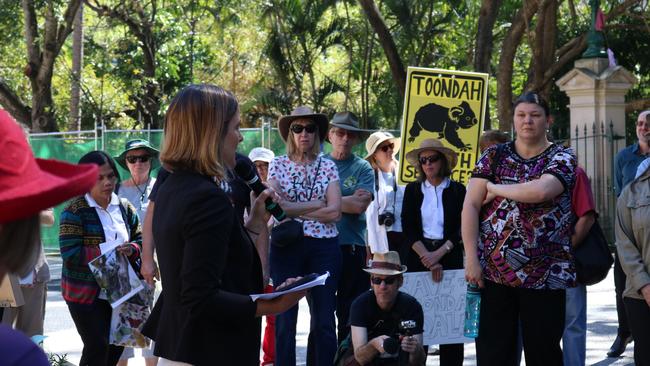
column 276, row 54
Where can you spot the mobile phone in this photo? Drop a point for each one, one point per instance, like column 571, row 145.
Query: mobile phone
column 306, row 278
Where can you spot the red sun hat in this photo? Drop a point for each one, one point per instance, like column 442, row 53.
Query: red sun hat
column 29, row 185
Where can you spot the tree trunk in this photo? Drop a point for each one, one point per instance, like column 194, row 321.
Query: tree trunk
column 12, row 103
column 508, row 51
column 387, row 43
column 484, row 43
column 74, row 121
column 42, row 51
column 544, row 48
column 141, row 24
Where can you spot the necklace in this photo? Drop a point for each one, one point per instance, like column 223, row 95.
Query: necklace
column 143, row 192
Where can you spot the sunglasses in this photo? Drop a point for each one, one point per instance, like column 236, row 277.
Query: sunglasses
column 135, row 158
column 341, row 133
column 297, row 129
column 385, row 148
column 430, row 159
column 387, row 280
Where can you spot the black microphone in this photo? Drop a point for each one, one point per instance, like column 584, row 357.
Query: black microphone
column 391, row 345
column 248, row 174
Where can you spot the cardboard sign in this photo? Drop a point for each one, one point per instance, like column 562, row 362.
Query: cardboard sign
column 446, row 105
column 443, row 305
column 10, row 293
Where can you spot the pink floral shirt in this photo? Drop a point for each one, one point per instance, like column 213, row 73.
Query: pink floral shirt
column 297, row 179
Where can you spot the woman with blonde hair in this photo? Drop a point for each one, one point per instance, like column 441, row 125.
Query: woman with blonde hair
column 384, row 214
column 208, row 262
column 309, row 189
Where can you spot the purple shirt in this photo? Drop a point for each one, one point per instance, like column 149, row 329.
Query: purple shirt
column 18, row 350
column 527, row 245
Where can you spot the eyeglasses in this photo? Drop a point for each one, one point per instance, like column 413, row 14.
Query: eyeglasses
column 135, row 158
column 385, row 148
column 430, row 159
column 643, row 124
column 297, row 129
column 341, row 133
column 387, row 280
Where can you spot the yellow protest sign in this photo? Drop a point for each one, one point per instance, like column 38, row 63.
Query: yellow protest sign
column 446, row 105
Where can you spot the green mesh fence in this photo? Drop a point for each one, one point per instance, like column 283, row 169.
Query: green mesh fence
column 71, row 147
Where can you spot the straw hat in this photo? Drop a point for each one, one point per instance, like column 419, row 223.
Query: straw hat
column 303, row 112
column 138, row 144
column 378, row 138
column 29, row 185
column 432, row 145
column 261, row 154
column 386, row 264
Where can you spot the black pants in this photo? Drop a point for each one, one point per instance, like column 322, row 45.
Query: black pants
column 619, row 287
column 93, row 325
column 639, row 314
column 397, row 242
column 541, row 313
column 450, row 354
column 354, row 281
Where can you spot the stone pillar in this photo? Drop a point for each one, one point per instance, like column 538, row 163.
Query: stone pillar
column 597, row 103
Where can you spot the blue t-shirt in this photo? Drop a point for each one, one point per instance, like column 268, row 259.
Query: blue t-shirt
column 625, row 165
column 354, row 173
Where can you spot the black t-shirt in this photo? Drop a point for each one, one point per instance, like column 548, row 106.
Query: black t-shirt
column 365, row 312
column 236, row 188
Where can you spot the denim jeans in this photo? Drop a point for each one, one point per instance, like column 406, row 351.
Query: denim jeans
column 312, row 255
column 574, row 339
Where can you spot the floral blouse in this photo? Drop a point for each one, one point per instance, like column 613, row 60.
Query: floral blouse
column 527, row 245
column 301, row 183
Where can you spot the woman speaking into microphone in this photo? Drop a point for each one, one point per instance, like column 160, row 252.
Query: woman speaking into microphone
column 208, row 262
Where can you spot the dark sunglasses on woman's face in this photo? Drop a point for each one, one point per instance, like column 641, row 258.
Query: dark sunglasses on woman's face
column 135, row 158
column 298, row 128
column 431, row 159
column 385, row 148
column 387, row 280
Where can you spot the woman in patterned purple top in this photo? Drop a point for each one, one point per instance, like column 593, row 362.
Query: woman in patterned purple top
column 516, row 227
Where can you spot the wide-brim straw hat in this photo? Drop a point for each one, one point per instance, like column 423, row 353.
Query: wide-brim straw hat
column 348, row 121
column 29, row 185
column 378, row 138
column 138, row 144
column 432, row 145
column 385, row 264
column 284, row 122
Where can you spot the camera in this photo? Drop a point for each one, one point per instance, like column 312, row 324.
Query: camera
column 386, row 219
column 407, row 327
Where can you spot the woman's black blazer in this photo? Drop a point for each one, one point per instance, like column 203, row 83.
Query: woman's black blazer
column 452, row 202
column 208, row 267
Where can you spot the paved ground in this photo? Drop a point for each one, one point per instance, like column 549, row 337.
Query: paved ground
column 601, row 319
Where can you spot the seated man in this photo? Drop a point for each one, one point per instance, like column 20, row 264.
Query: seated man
column 386, row 324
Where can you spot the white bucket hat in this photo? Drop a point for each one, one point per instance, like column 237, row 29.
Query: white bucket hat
column 261, row 154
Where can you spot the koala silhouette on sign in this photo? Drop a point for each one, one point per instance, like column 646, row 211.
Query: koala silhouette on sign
column 446, row 121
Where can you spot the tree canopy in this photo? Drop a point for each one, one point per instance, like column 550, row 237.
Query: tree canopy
column 276, row 54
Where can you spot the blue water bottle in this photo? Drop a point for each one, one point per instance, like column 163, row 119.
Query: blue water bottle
column 472, row 311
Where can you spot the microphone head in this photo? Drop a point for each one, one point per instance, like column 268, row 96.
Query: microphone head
column 391, row 345
column 246, row 171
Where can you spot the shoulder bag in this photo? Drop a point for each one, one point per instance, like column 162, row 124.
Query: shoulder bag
column 593, row 258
